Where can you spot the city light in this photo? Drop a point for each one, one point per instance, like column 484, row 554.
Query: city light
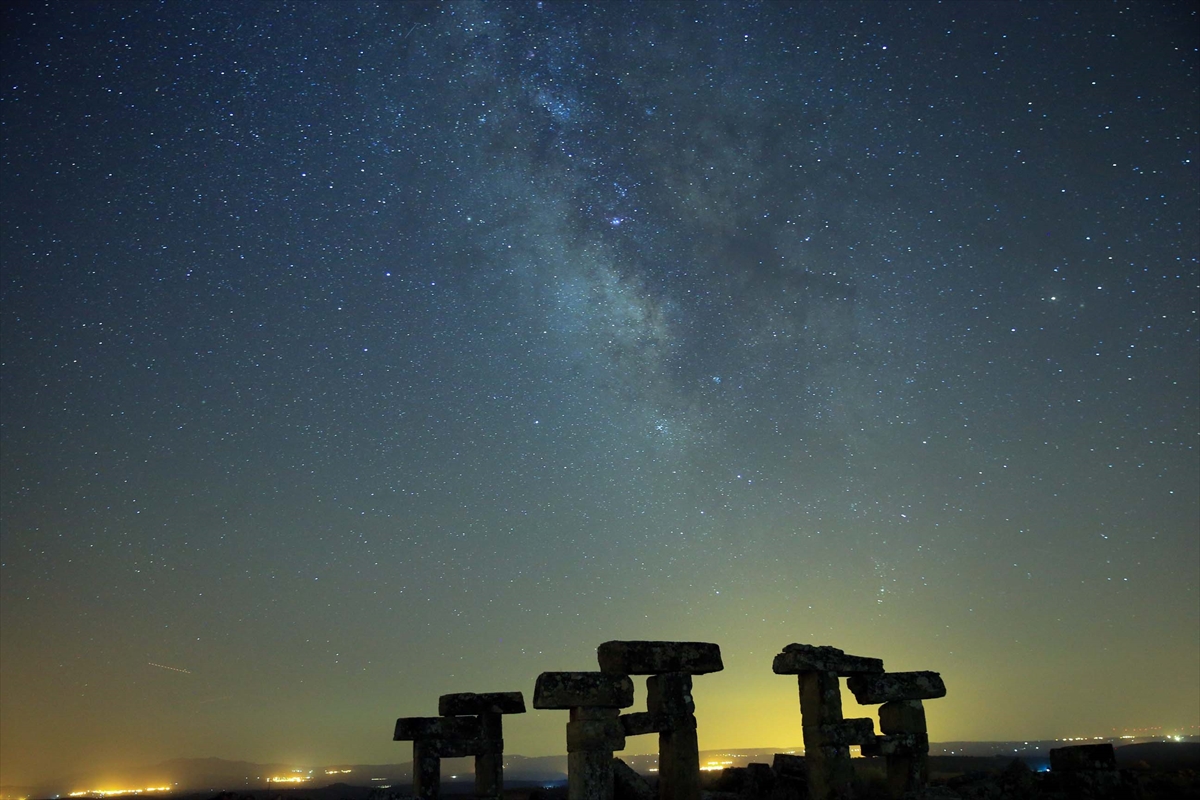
column 111, row 792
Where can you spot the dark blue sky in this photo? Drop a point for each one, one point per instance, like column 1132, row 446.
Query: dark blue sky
column 354, row 354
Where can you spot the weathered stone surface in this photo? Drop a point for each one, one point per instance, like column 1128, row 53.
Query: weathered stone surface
column 799, row 658
column 643, row 722
column 679, row 761
column 902, row 716
column 869, row 689
column 840, row 734
column 654, row 658
column 820, row 698
column 468, row 703
column 894, row 744
column 628, row 784
column 1082, row 757
column 670, row 693
column 787, row 765
column 589, row 775
column 595, row 734
column 427, row 771
column 562, row 690
column 414, row 728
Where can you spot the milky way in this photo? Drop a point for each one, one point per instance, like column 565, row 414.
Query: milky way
column 355, row 354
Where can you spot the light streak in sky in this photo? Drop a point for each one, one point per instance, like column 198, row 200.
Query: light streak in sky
column 173, row 669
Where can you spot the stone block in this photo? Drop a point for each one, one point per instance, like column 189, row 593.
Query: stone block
column 653, row 658
column 1083, row 757
column 564, row 690
column 642, row 722
column 595, row 734
column 628, row 784
column 787, row 765
column 468, row 703
column 902, row 716
column 897, row 744
column 869, row 689
column 799, row 658
column 414, row 728
column 670, row 693
column 820, row 698
column 840, row 734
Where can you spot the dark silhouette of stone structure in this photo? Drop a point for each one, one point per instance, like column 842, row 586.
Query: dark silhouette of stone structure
column 905, row 739
column 669, row 704
column 594, row 700
column 469, row 725
column 827, row 736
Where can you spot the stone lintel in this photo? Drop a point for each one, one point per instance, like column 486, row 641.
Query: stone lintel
column 799, row 658
column 870, row 689
column 643, row 722
column 564, row 690
column 897, row 744
column 469, row 703
column 595, row 734
column 841, row 734
column 653, row 658
column 415, row 728
column 902, row 716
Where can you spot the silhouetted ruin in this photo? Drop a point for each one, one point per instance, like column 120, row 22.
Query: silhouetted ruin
column 669, row 705
column 469, row 725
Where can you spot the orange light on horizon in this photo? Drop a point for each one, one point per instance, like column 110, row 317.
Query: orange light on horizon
column 112, row 792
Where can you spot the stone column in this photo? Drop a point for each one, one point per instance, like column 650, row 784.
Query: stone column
column 593, row 732
column 905, row 739
column 827, row 736
column 488, row 708
column 669, row 704
column 435, row 738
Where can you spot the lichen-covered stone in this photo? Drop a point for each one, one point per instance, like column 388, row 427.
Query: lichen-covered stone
column 670, row 693
column 800, row 658
column 870, row 689
column 654, row 658
column 414, row 728
column 643, row 722
column 1083, row 757
column 564, row 690
column 468, row 703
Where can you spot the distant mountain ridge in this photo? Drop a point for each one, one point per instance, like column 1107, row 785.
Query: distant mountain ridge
column 217, row 774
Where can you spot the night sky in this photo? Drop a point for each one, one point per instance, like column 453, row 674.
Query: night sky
column 355, row 354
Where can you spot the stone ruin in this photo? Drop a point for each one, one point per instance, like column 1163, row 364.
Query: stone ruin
column 469, row 725
column 669, row 705
column 828, row 737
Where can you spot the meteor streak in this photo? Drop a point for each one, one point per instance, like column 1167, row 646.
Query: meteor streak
column 173, row 669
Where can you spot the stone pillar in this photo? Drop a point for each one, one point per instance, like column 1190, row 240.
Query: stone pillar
column 905, row 739
column 827, row 736
column 427, row 771
column 488, row 709
column 593, row 731
column 435, row 738
column 669, row 704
